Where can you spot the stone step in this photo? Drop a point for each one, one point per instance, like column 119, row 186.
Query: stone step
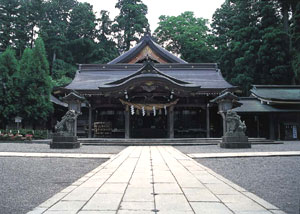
column 163, row 141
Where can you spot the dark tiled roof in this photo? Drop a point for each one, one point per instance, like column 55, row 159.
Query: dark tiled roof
column 206, row 76
column 147, row 40
column 57, row 101
column 255, row 106
column 277, row 92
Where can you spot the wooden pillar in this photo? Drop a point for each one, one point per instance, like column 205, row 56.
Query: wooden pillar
column 127, row 124
column 271, row 127
column 90, row 122
column 207, row 122
column 171, row 122
column 257, row 126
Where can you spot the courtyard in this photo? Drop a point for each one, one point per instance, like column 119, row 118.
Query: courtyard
column 29, row 181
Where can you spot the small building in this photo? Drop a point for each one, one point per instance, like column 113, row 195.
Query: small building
column 148, row 92
column 272, row 111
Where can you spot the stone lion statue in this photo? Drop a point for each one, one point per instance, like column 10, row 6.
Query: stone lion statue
column 235, row 127
column 66, row 125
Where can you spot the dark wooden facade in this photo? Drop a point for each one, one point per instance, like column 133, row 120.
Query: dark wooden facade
column 148, row 93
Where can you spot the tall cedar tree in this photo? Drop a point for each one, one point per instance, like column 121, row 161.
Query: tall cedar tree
column 295, row 37
column 251, row 44
column 107, row 48
column 53, row 29
column 81, row 34
column 131, row 23
column 37, row 83
column 9, row 13
column 185, row 35
column 9, row 96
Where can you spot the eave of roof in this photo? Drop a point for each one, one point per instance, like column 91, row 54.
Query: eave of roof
column 253, row 105
column 57, row 101
column 207, row 75
column 277, row 94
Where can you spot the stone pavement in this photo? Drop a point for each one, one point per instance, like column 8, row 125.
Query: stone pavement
column 156, row 179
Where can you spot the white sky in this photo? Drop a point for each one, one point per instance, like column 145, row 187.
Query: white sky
column 156, row 8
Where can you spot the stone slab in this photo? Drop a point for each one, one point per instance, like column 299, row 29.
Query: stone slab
column 171, row 183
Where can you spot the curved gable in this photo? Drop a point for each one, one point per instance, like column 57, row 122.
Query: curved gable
column 147, row 48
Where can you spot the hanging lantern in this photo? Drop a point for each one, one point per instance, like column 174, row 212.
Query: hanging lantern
column 143, row 111
column 154, row 110
column 166, row 112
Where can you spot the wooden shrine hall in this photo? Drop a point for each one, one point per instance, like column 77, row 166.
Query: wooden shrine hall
column 146, row 92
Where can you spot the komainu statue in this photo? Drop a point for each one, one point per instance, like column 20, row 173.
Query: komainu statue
column 235, row 127
column 235, row 132
column 67, row 124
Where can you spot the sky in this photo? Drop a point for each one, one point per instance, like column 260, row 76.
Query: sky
column 156, row 8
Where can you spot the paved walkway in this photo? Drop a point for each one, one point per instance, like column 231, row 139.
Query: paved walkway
column 156, row 179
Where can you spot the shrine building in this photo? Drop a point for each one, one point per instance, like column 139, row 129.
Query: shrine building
column 147, row 92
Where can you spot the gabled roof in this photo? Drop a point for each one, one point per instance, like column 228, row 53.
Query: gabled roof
column 148, row 72
column 147, row 69
column 155, row 51
column 279, row 94
column 253, row 105
column 206, row 76
column 57, row 101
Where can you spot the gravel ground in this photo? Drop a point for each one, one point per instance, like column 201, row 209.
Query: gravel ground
column 29, row 147
column 275, row 179
column 286, row 146
column 27, row 182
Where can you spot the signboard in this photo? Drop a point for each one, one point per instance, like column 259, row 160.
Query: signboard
column 18, row 119
column 295, row 134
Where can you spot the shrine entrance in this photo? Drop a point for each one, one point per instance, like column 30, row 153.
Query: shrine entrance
column 148, row 126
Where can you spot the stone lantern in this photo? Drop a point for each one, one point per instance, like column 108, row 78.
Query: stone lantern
column 66, row 129
column 233, row 128
column 225, row 101
column 74, row 102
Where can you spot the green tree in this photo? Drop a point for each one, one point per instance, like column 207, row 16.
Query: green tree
column 106, row 48
column 54, row 27
column 185, row 35
column 81, row 34
column 273, row 53
column 9, row 103
column 252, row 46
column 131, row 23
column 37, row 83
column 9, row 13
column 82, row 22
column 295, row 37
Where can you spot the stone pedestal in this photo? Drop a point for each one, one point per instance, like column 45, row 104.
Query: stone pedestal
column 235, row 142
column 60, row 141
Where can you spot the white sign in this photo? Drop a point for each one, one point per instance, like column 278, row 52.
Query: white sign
column 18, row 119
column 295, row 136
